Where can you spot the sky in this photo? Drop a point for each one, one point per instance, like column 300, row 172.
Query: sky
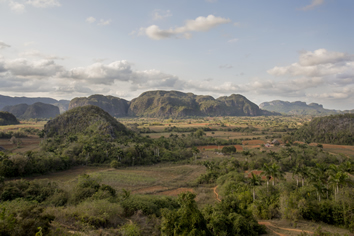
column 265, row 50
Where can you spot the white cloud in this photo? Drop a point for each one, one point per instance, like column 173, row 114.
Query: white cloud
column 322, row 56
column 26, row 68
column 44, row 3
column 121, row 71
column 313, row 4
column 16, row 6
column 237, row 24
column 336, row 67
column 233, row 40
column 159, row 14
column 4, row 45
column 104, row 22
column 91, row 19
column 199, row 24
column 343, row 93
column 99, row 73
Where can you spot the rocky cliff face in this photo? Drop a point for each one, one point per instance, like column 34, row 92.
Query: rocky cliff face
column 297, row 108
column 116, row 107
column 36, row 110
column 178, row 104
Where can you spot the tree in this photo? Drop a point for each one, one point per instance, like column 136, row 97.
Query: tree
column 255, row 181
column 296, row 171
column 266, row 171
column 195, row 151
column 187, row 220
column 275, row 172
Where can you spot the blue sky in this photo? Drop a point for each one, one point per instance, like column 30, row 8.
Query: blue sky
column 264, row 50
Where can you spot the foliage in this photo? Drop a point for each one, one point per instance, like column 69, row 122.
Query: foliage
column 7, row 118
column 335, row 129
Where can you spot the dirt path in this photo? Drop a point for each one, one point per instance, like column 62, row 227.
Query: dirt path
column 269, row 225
column 216, row 194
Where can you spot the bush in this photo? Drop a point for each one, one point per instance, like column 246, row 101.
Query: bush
column 228, row 149
column 115, row 164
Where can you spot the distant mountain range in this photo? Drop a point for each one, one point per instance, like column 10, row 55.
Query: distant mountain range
column 165, row 104
column 36, row 110
column 299, row 108
column 10, row 101
column 173, row 104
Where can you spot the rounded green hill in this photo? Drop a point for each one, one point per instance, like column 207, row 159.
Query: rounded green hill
column 6, row 118
column 84, row 120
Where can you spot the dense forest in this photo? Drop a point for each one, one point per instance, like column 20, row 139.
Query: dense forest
column 335, row 129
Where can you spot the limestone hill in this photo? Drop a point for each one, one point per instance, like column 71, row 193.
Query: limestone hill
column 7, row 118
column 84, row 120
column 116, row 107
column 297, row 108
column 36, row 110
column 11, row 101
column 173, row 104
column 178, row 104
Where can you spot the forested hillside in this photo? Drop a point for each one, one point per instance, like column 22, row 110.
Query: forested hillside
column 7, row 118
column 335, row 129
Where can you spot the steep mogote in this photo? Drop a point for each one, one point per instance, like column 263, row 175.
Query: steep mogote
column 84, row 120
column 297, row 108
column 116, row 107
column 178, row 104
column 7, row 118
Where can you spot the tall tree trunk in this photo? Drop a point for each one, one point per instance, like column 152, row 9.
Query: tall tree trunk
column 267, row 184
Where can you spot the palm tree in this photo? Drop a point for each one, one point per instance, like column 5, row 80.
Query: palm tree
column 276, row 172
column 338, row 179
column 304, row 173
column 266, row 171
column 272, row 155
column 320, row 188
column 347, row 167
column 297, row 171
column 255, row 181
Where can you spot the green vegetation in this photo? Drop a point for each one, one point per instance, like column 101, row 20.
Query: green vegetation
column 320, row 188
column 127, row 193
column 7, row 118
column 335, row 129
